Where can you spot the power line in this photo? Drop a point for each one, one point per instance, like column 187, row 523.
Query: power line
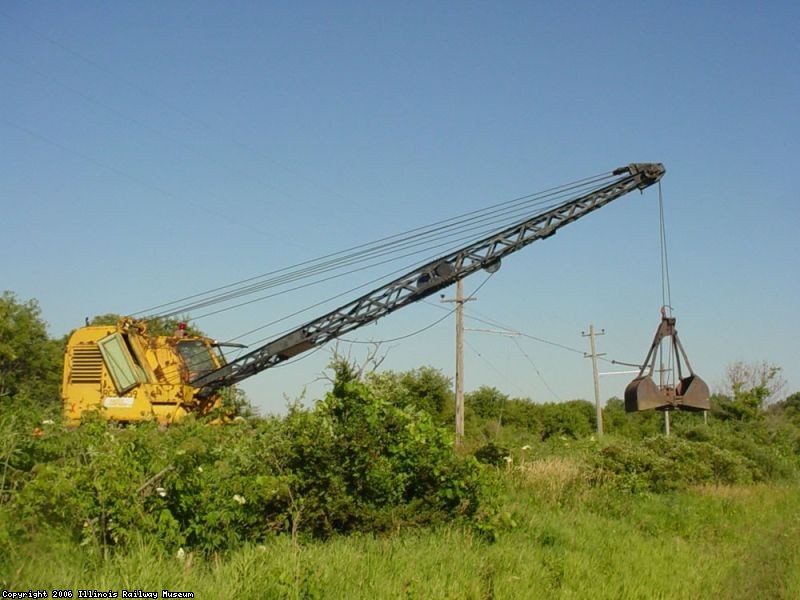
column 494, row 368
column 535, row 368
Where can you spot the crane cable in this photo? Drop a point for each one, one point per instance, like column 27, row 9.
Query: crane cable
column 429, row 326
column 479, row 227
column 488, row 215
column 557, row 194
column 666, row 293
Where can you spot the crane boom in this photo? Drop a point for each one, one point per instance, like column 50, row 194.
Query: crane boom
column 426, row 280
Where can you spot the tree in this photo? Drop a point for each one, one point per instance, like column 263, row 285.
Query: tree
column 636, row 425
column 486, row 402
column 155, row 325
column 424, row 388
column 788, row 408
column 750, row 387
column 575, row 418
column 30, row 362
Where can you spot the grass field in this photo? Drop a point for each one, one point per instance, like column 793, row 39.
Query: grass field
column 562, row 540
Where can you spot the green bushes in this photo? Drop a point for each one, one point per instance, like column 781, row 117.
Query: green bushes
column 661, row 464
column 575, row 418
column 355, row 462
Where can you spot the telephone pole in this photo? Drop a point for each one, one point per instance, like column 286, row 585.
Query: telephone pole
column 459, row 300
column 591, row 335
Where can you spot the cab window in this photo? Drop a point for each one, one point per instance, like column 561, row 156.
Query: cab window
column 197, row 358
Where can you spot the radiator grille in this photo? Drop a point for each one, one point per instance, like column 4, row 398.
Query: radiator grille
column 87, row 364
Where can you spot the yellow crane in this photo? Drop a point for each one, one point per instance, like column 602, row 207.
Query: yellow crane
column 126, row 374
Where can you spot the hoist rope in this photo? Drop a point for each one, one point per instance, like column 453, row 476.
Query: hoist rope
column 666, row 296
column 666, row 292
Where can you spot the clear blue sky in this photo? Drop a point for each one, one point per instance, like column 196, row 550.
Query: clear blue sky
column 150, row 150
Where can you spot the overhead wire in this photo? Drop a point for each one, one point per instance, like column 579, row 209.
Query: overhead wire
column 492, row 366
column 542, row 340
column 455, row 244
column 535, row 368
column 325, row 301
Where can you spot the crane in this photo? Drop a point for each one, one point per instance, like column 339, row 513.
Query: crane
column 129, row 375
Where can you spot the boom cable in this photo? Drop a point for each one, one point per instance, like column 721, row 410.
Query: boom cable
column 484, row 217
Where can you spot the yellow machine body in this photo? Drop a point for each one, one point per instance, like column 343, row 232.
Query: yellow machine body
column 126, row 375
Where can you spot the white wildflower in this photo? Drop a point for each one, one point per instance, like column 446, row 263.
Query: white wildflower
column 48, row 422
column 181, row 554
column 238, row 498
column 508, row 459
column 526, row 447
column 161, row 491
column 199, row 469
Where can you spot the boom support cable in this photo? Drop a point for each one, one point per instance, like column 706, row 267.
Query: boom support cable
column 486, row 216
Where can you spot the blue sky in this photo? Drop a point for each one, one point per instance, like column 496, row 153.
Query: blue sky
column 152, row 150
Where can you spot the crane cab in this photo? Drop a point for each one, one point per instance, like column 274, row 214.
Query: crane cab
column 127, row 375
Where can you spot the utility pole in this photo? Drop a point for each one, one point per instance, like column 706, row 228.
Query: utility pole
column 459, row 300
column 591, row 335
column 661, row 386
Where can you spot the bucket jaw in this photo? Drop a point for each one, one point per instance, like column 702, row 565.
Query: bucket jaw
column 691, row 393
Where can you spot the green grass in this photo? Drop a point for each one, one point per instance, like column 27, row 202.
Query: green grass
column 566, row 542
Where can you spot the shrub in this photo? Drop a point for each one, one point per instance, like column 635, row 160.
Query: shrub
column 660, row 464
column 355, row 462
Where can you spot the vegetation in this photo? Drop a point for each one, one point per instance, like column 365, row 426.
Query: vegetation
column 362, row 496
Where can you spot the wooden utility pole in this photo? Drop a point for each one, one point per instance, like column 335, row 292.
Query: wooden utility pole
column 661, row 386
column 459, row 300
column 599, row 411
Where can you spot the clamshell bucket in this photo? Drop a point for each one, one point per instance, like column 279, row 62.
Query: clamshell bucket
column 691, row 392
column 643, row 394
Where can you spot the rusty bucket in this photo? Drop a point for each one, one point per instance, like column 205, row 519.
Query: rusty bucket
column 643, row 394
column 691, row 393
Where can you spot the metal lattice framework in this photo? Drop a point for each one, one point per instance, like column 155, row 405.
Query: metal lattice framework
column 427, row 279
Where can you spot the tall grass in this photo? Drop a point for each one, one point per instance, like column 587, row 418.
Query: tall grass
column 709, row 542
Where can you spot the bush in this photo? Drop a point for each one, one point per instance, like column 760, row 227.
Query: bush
column 661, row 464
column 492, row 454
column 355, row 462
